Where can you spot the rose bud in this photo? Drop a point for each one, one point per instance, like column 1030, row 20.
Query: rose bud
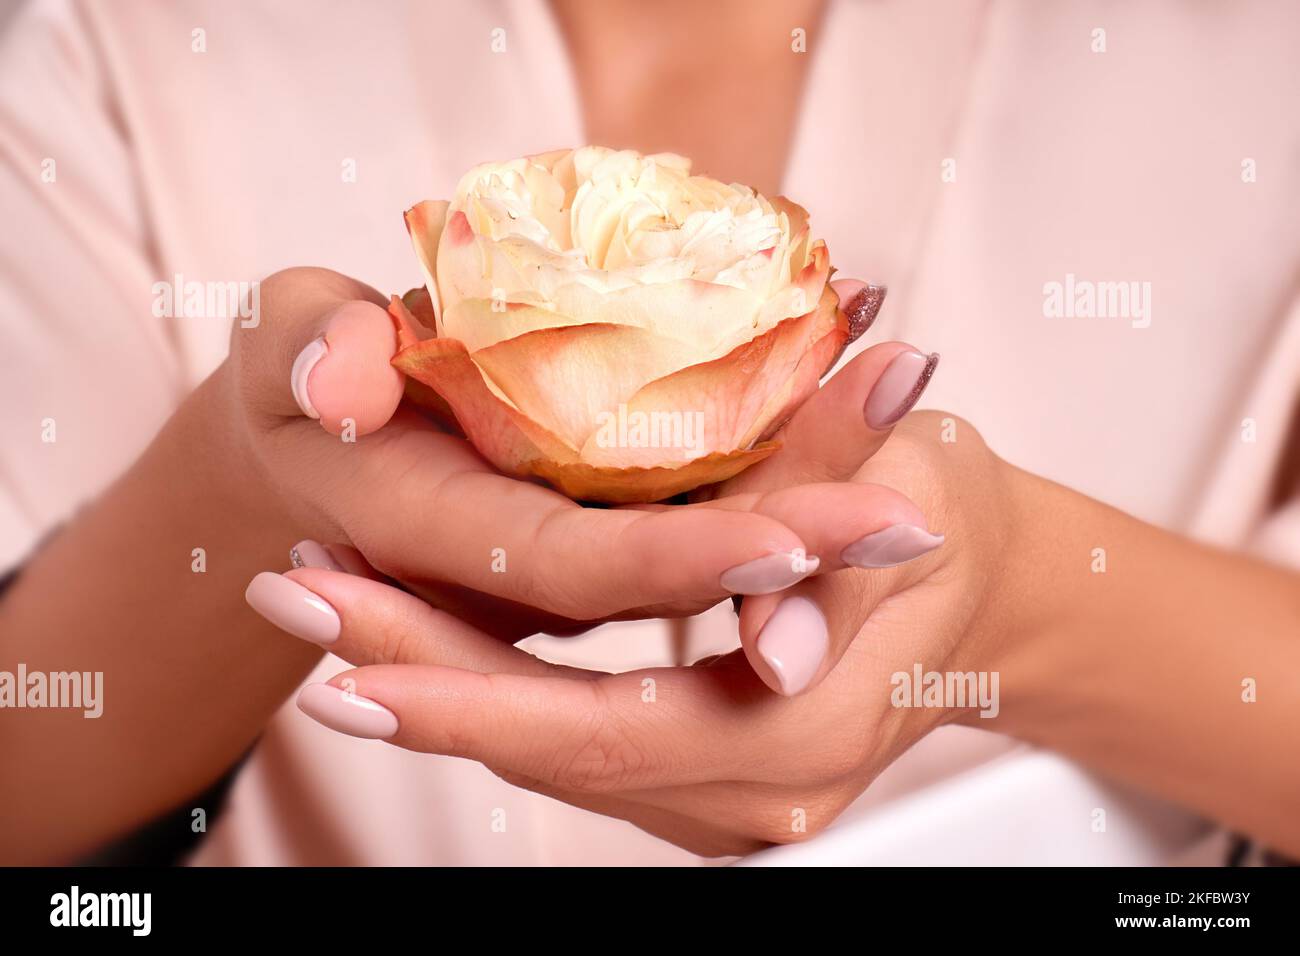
column 612, row 325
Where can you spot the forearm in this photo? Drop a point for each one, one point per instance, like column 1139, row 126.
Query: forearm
column 190, row 674
column 1139, row 670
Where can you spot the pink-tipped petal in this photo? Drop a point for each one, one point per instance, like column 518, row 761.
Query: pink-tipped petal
column 424, row 223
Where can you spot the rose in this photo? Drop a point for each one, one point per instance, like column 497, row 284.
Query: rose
column 613, row 325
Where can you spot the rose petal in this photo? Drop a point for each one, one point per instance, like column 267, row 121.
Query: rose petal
column 736, row 396
column 476, row 323
column 685, row 309
column 424, row 224
column 501, row 433
column 796, row 215
column 797, row 299
column 815, row 363
column 629, row 485
column 418, row 308
column 564, row 379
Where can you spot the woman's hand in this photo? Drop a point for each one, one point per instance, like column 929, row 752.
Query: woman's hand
column 1145, row 669
column 515, row 557
column 707, row 756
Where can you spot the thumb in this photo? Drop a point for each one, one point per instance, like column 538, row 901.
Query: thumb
column 345, row 374
column 794, row 639
column 321, row 348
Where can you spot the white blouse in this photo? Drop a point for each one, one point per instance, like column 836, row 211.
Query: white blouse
column 1099, row 231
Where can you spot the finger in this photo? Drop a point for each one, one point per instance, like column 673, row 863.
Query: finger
column 531, row 545
column 834, row 519
column 504, row 620
column 795, row 639
column 369, row 622
column 590, row 736
column 321, row 348
column 846, row 421
column 733, row 813
column 425, row 509
column 861, row 303
column 345, row 376
column 332, row 557
column 712, row 833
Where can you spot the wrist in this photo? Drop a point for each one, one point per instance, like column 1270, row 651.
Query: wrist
column 1032, row 593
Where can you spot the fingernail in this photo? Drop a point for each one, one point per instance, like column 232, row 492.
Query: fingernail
column 302, row 366
column 312, row 554
column 794, row 642
column 772, row 572
column 863, row 309
column 890, row 546
column 291, row 607
column 899, row 388
column 346, row 712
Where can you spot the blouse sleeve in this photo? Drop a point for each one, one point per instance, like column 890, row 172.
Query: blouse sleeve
column 87, row 375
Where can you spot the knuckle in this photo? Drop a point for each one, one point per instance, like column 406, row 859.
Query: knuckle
column 542, row 587
column 607, row 757
column 392, row 645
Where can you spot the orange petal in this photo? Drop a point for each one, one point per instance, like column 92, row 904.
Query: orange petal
column 565, row 378
column 424, row 224
column 419, row 304
column 816, row 362
column 631, row 485
column 502, row 434
column 410, row 332
column 734, row 398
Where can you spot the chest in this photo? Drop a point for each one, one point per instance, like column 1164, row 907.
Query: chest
column 719, row 82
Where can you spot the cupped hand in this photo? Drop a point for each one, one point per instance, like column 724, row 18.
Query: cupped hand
column 325, row 434
column 707, row 756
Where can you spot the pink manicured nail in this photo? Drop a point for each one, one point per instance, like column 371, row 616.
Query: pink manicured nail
column 312, row 554
column 890, row 546
column 291, row 607
column 794, row 642
column 302, row 366
column 347, row 712
column 899, row 388
column 772, row 572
